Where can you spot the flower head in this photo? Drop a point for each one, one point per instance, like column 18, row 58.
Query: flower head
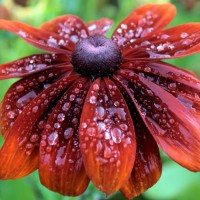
column 96, row 108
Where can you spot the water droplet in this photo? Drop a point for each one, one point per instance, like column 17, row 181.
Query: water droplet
column 61, row 117
column 116, row 135
column 66, row 106
column 68, row 133
column 11, row 114
column 34, row 138
column 20, row 88
column 95, row 87
column 91, row 131
column 100, row 112
column 35, row 109
column 92, row 99
column 184, row 35
column 53, row 138
column 107, row 152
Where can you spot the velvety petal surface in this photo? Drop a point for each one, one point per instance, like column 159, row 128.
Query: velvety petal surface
column 143, row 21
column 179, row 41
column 31, row 64
column 39, row 38
column 147, row 167
column 106, row 135
column 61, row 165
column 23, row 92
column 16, row 152
column 68, row 27
column 101, row 26
column 182, row 84
column 173, row 127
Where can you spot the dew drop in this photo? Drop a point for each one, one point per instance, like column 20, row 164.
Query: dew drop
column 61, row 117
column 34, row 138
column 107, row 152
column 91, row 131
column 68, row 133
column 20, row 88
column 53, row 138
column 100, row 112
column 66, row 106
column 184, row 35
column 11, row 114
column 116, row 135
column 92, row 99
column 35, row 109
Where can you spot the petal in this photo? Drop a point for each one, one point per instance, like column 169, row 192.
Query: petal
column 61, row 165
column 107, row 137
column 39, row 38
column 147, row 168
column 144, row 21
column 17, row 149
column 101, row 26
column 67, row 26
column 179, row 41
column 31, row 64
column 23, row 92
column 173, row 127
column 179, row 82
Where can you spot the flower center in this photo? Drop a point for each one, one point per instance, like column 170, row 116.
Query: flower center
column 96, row 56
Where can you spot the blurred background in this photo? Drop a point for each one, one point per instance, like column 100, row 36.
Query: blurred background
column 176, row 183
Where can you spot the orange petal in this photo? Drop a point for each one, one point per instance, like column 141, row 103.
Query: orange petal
column 39, row 38
column 31, row 64
column 173, row 127
column 18, row 145
column 22, row 92
column 61, row 165
column 101, row 26
column 179, row 41
column 67, row 26
column 107, row 137
column 143, row 21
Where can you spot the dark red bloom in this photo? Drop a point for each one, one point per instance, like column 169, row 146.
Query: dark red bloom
column 96, row 108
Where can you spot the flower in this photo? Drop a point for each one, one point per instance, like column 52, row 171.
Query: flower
column 96, row 108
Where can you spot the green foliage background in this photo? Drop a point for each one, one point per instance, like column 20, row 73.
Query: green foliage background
column 176, row 183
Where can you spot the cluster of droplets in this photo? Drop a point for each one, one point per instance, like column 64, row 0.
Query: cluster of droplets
column 71, row 28
column 27, row 65
column 152, row 108
column 61, row 130
column 108, row 128
column 128, row 33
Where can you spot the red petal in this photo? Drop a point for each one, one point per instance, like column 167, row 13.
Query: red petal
column 144, row 21
column 107, row 137
column 31, row 64
column 17, row 148
column 180, row 83
column 67, row 26
column 147, row 168
column 173, row 127
column 61, row 165
column 101, row 26
column 39, row 38
column 175, row 42
column 22, row 92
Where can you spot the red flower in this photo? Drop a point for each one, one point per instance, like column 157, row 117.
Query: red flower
column 104, row 122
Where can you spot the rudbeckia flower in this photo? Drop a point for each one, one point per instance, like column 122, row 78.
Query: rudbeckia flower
column 97, row 108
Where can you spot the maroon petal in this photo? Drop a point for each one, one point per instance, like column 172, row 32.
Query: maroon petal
column 173, row 127
column 68, row 27
column 101, row 26
column 107, row 137
column 175, row 42
column 39, row 38
column 143, row 21
column 31, row 64
column 17, row 148
column 61, row 165
column 23, row 92
column 147, row 168
column 179, row 82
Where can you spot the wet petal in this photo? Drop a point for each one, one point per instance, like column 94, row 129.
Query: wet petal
column 68, row 27
column 101, row 26
column 173, row 127
column 16, row 150
column 23, row 92
column 144, row 21
column 147, row 168
column 31, row 64
column 179, row 41
column 39, row 38
column 61, row 165
column 180, row 83
column 106, row 135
